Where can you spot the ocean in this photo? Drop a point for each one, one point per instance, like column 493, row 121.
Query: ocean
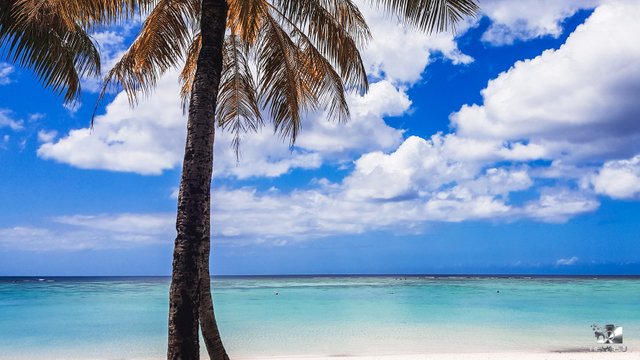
column 126, row 318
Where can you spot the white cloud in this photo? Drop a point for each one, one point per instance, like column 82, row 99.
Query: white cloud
column 421, row 166
column 149, row 138
column 619, row 179
column 565, row 106
column 87, row 233
column 247, row 215
column 528, row 19
column 112, row 46
column 5, row 73
column 558, row 205
column 398, row 192
column 417, row 166
column 263, row 154
column 399, row 53
column 146, row 139
column 365, row 131
column 73, row 106
column 497, row 181
column 562, row 104
column 567, row 262
column 36, row 116
column 47, row 136
column 148, row 224
column 7, row 121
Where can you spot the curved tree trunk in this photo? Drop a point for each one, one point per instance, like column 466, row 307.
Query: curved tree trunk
column 193, row 219
column 208, row 325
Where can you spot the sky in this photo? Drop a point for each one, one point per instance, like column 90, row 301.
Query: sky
column 511, row 145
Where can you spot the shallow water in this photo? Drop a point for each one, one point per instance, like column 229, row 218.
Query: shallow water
column 123, row 318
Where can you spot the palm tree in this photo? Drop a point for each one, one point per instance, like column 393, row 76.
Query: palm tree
column 50, row 37
column 306, row 53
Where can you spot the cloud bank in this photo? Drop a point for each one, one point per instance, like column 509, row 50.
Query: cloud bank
column 559, row 129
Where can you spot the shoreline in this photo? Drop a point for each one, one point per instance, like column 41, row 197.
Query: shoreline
column 578, row 353
column 583, row 355
column 629, row 355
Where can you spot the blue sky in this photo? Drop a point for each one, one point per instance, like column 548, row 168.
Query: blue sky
column 510, row 147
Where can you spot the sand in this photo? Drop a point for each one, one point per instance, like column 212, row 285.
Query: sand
column 477, row 356
column 629, row 355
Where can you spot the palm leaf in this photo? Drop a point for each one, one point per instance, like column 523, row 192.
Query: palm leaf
column 237, row 106
column 245, row 18
column 87, row 13
column 57, row 49
column 189, row 70
column 323, row 80
column 161, row 44
column 430, row 15
column 336, row 28
column 282, row 89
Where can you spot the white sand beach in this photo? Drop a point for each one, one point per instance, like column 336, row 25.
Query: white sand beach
column 629, row 355
column 476, row 356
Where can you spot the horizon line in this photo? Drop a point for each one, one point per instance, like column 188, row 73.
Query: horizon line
column 413, row 275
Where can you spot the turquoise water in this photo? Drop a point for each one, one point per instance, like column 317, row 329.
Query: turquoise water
column 125, row 318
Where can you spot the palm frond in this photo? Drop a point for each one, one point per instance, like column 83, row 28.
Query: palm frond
column 246, row 18
column 336, row 28
column 189, row 70
column 282, row 89
column 87, row 13
column 237, row 105
column 48, row 41
column 161, row 44
column 323, row 80
column 430, row 15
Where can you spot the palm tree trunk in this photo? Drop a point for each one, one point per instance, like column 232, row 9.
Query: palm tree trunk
column 208, row 325
column 193, row 219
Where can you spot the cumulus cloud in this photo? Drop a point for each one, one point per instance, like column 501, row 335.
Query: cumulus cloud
column 145, row 139
column 561, row 104
column 418, row 165
column 565, row 107
column 263, row 154
column 528, row 19
column 149, row 138
column 389, row 192
column 400, row 53
column 248, row 215
column 5, row 73
column 366, row 130
column 619, row 179
column 567, row 262
column 279, row 218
